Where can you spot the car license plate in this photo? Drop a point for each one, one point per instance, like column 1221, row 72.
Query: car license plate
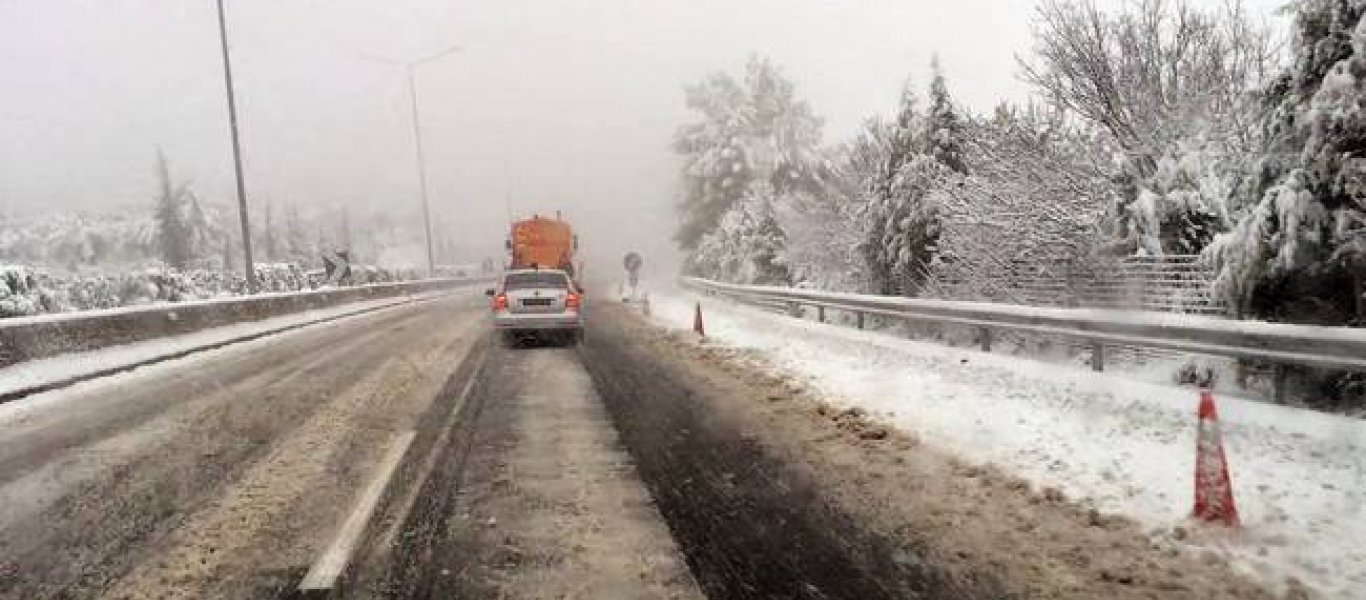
column 536, row 302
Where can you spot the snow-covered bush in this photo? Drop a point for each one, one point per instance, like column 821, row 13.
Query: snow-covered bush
column 1296, row 252
column 1186, row 201
column 27, row 291
column 1030, row 208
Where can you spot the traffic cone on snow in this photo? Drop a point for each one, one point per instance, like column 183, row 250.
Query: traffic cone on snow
column 697, row 321
column 1213, row 488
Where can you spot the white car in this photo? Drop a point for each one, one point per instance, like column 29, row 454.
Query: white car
column 538, row 303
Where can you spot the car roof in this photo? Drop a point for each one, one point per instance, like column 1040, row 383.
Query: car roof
column 524, row 271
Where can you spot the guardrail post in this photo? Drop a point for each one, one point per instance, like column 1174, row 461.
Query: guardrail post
column 860, row 320
column 820, row 313
column 985, row 334
column 1097, row 356
column 1281, row 374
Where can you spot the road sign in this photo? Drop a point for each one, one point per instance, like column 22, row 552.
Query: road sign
column 632, row 262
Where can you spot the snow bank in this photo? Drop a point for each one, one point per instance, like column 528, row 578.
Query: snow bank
column 1120, row 444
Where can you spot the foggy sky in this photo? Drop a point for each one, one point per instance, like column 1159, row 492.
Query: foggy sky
column 564, row 105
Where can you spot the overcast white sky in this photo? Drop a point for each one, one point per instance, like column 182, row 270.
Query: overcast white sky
column 570, row 105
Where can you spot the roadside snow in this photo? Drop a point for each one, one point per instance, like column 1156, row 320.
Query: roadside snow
column 1123, row 445
column 64, row 367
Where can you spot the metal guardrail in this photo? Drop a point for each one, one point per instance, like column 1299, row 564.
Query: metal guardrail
column 1275, row 343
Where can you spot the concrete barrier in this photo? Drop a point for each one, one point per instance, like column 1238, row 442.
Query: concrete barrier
column 28, row 338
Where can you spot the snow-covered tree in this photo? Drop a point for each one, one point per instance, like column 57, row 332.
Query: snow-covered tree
column 185, row 231
column 943, row 126
column 173, row 229
column 825, row 231
column 204, row 229
column 1168, row 82
column 271, row 248
column 924, row 154
column 897, row 145
column 1030, row 208
column 229, row 255
column 911, row 233
column 297, row 245
column 1299, row 250
column 1186, row 201
column 748, row 130
column 748, row 245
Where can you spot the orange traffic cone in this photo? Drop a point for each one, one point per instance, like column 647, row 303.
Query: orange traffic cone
column 1213, row 488
column 697, row 321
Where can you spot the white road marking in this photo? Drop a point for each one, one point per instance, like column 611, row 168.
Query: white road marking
column 328, row 568
column 324, row 573
column 430, row 463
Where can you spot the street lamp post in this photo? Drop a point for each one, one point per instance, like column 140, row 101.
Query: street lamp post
column 421, row 169
column 410, row 66
column 236, row 152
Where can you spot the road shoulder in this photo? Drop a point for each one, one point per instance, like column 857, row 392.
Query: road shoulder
column 979, row 525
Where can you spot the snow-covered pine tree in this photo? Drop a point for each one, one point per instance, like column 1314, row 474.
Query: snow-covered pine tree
column 173, row 233
column 882, row 211
column 753, row 129
column 943, row 138
column 271, row 248
column 1299, row 251
column 903, row 226
column 345, row 235
column 763, row 241
column 748, row 245
column 296, row 238
column 229, row 262
column 911, row 234
column 201, row 229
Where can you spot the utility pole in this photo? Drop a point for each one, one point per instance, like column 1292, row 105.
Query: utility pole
column 410, row 66
column 421, row 169
column 236, row 153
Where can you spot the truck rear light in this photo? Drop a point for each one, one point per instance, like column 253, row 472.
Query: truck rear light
column 500, row 302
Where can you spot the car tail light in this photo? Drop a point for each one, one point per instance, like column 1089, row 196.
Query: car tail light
column 500, row 302
column 572, row 300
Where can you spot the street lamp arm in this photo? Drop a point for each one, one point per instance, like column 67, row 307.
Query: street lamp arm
column 382, row 60
column 436, row 55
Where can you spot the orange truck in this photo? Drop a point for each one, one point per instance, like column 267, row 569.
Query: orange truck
column 541, row 242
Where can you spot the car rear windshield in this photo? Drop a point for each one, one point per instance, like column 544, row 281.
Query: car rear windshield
column 521, row 281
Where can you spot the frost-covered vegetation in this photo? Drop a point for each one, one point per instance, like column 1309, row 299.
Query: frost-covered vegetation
column 182, row 248
column 177, row 230
column 26, row 291
column 1160, row 129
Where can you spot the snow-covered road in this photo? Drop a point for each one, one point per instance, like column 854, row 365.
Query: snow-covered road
column 1124, row 445
column 216, row 474
column 61, row 369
